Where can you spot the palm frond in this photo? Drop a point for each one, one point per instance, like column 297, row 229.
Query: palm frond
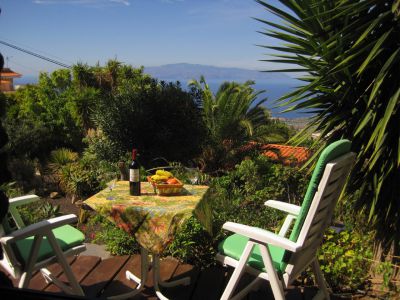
column 350, row 53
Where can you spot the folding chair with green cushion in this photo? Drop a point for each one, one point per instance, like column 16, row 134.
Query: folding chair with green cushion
column 33, row 247
column 280, row 258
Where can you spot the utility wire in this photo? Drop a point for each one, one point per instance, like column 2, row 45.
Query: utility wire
column 36, row 55
column 39, row 51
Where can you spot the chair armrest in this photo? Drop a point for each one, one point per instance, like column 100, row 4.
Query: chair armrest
column 283, row 206
column 261, row 235
column 38, row 228
column 17, row 201
column 13, row 208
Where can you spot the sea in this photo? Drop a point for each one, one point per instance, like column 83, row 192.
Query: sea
column 273, row 90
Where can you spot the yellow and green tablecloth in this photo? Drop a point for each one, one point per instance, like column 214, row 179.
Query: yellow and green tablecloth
column 153, row 219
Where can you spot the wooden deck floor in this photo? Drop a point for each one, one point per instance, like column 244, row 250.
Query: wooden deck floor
column 104, row 278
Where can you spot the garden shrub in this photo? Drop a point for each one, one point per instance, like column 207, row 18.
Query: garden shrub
column 38, row 211
column 11, row 189
column 116, row 240
column 239, row 196
column 103, row 148
column 22, row 171
column 28, row 138
column 77, row 180
column 387, row 270
column 193, row 245
column 345, row 259
column 61, row 157
column 82, row 176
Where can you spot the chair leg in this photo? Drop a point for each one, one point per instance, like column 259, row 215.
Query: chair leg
column 50, row 278
column 24, row 280
column 319, row 277
column 237, row 273
column 27, row 275
column 276, row 283
column 252, row 286
column 75, row 287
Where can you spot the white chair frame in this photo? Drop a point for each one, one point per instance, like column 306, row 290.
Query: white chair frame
column 39, row 230
column 304, row 250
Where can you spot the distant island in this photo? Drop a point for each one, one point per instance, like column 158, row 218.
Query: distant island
column 185, row 71
column 275, row 84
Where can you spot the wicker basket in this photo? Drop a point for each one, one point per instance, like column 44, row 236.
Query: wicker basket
column 165, row 189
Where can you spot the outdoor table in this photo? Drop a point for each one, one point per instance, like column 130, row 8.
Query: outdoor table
column 153, row 220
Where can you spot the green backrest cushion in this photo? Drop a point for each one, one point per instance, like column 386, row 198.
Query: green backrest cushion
column 330, row 153
column 66, row 236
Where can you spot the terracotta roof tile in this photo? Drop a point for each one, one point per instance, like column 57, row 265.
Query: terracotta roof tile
column 288, row 155
column 7, row 73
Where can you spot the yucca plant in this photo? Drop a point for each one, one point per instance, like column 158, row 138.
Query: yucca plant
column 349, row 51
column 61, row 157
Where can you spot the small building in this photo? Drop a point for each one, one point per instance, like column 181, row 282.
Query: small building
column 7, row 79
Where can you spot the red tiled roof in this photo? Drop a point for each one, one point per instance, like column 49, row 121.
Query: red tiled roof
column 7, row 73
column 288, row 155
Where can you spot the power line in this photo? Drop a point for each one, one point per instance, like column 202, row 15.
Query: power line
column 39, row 51
column 36, row 55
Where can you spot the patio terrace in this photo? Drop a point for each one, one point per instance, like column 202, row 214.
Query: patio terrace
column 103, row 278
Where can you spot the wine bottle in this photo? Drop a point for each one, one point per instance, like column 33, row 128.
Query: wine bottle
column 134, row 176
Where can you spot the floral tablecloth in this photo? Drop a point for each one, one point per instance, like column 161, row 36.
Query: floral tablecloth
column 153, row 219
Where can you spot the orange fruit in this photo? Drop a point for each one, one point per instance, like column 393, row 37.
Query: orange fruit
column 172, row 181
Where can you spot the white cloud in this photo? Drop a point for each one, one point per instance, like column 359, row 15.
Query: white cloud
column 84, row 2
column 172, row 1
column 95, row 2
column 124, row 2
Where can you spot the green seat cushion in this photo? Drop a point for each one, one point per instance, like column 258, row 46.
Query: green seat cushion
column 66, row 236
column 234, row 245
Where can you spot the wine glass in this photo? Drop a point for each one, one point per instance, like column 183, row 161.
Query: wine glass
column 193, row 175
column 111, row 184
column 111, row 179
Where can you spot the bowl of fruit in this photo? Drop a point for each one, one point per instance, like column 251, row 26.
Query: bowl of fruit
column 165, row 183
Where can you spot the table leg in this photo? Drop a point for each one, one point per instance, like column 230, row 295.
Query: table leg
column 144, row 259
column 140, row 281
column 157, row 280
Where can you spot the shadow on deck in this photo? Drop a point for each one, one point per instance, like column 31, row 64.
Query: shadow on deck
column 103, row 278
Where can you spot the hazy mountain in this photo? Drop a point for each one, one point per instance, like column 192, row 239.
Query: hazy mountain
column 184, row 71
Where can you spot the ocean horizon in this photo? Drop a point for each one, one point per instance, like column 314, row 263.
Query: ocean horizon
column 274, row 89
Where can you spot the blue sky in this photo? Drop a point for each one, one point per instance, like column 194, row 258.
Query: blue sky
column 136, row 32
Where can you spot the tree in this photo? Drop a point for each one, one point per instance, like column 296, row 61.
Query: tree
column 234, row 116
column 4, row 173
column 158, row 118
column 40, row 117
column 350, row 52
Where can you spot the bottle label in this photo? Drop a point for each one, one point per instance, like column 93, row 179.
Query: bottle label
column 134, row 175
